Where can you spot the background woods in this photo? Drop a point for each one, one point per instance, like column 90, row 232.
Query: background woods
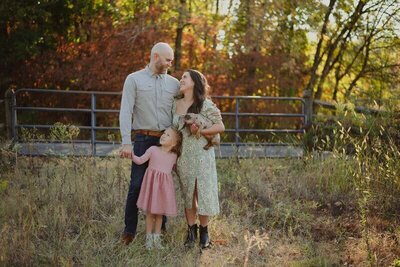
column 339, row 49
column 343, row 50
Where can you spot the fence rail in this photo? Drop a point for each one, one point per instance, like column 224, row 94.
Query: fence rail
column 93, row 142
column 332, row 106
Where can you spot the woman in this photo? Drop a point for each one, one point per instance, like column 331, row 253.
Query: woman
column 196, row 166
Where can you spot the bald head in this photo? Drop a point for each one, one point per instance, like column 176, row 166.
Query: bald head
column 161, row 57
column 161, row 48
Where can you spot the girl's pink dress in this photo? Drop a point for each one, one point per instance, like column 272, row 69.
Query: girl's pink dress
column 157, row 193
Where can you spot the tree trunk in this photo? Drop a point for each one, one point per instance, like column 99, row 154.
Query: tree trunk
column 179, row 34
column 178, row 48
column 216, row 15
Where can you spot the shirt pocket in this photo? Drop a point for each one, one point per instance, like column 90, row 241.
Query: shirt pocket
column 145, row 91
column 168, row 97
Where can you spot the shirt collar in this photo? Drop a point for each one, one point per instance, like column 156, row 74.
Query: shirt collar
column 151, row 73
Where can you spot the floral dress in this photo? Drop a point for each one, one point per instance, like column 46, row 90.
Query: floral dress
column 195, row 163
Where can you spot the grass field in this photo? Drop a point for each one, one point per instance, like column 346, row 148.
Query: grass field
column 274, row 212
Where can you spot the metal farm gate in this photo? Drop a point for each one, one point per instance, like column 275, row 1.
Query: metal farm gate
column 93, row 146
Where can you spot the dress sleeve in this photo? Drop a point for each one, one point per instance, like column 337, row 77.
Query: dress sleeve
column 211, row 111
column 146, row 156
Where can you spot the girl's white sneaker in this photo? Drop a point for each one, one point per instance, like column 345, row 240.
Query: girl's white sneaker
column 157, row 242
column 149, row 244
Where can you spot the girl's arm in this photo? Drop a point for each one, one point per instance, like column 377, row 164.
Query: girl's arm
column 140, row 160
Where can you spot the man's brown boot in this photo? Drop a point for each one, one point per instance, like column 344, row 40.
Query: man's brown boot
column 127, row 238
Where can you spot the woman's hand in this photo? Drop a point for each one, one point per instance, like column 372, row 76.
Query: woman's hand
column 194, row 129
column 216, row 128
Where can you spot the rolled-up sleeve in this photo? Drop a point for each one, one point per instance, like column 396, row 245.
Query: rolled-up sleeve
column 212, row 112
column 126, row 111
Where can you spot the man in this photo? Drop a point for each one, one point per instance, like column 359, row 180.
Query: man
column 147, row 96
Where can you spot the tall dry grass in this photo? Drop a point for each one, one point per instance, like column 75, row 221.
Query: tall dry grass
column 69, row 212
column 337, row 208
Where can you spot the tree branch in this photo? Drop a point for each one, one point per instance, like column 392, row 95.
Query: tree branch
column 361, row 72
column 318, row 56
column 332, row 48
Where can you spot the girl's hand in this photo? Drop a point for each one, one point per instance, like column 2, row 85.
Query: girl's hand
column 126, row 151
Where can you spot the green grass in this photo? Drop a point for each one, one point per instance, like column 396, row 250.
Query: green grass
column 274, row 212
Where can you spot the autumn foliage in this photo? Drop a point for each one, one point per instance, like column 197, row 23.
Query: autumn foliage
column 252, row 48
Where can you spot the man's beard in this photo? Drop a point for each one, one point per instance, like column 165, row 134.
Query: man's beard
column 161, row 69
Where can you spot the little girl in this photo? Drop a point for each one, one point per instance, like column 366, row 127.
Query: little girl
column 157, row 194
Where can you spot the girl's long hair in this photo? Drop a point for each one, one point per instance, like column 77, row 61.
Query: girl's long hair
column 200, row 90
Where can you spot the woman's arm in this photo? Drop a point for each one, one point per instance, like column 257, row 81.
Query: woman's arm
column 212, row 113
column 216, row 128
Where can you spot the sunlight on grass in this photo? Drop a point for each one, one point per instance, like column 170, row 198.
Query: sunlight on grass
column 68, row 211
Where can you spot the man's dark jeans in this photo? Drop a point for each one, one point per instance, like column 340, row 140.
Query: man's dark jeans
column 142, row 143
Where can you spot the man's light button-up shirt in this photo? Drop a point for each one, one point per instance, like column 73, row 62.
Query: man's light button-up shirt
column 147, row 97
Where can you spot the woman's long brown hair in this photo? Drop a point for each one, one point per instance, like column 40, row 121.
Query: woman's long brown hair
column 177, row 148
column 199, row 91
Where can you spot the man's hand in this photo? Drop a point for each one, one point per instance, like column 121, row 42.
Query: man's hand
column 126, row 151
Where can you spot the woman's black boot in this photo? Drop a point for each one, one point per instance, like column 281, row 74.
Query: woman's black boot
column 191, row 236
column 204, row 240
